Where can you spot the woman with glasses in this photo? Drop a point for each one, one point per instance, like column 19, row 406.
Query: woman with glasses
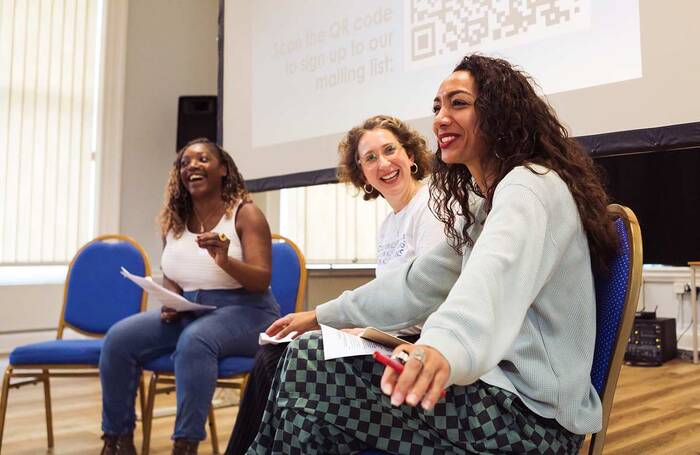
column 504, row 358
column 385, row 157
column 381, row 157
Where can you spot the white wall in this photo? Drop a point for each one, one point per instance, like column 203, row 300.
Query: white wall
column 171, row 51
column 30, row 314
column 659, row 294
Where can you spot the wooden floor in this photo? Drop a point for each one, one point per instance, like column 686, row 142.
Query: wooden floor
column 76, row 426
column 656, row 411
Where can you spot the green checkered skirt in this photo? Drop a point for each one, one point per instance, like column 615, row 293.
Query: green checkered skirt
column 336, row 406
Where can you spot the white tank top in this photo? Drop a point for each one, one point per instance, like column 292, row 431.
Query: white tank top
column 191, row 267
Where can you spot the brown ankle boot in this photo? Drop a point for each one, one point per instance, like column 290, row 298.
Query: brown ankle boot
column 118, row 445
column 185, row 447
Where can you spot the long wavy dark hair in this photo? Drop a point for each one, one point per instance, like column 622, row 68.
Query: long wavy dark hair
column 177, row 207
column 349, row 169
column 519, row 128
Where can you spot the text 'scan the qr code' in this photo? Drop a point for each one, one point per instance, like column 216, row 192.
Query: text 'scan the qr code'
column 441, row 31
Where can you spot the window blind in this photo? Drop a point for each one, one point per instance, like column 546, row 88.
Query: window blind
column 49, row 55
column 332, row 223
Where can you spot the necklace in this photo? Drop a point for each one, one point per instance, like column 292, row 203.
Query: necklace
column 206, row 219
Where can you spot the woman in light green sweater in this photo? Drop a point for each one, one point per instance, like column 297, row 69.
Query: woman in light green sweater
column 507, row 302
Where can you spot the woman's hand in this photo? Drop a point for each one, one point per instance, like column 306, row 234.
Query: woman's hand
column 423, row 378
column 294, row 322
column 168, row 315
column 216, row 245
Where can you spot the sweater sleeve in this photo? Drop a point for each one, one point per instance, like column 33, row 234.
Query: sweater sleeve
column 482, row 315
column 428, row 233
column 399, row 298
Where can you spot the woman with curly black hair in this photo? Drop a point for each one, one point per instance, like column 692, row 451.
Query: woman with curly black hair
column 508, row 300
column 217, row 251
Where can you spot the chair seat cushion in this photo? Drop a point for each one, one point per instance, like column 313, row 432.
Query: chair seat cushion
column 58, row 352
column 228, row 366
column 163, row 364
column 231, row 366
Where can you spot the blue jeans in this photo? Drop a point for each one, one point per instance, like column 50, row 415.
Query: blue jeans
column 198, row 340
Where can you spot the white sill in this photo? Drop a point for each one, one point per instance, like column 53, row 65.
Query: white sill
column 56, row 274
column 368, row 266
column 25, row 275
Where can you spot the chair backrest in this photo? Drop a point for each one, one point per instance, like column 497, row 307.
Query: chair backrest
column 95, row 295
column 617, row 293
column 288, row 280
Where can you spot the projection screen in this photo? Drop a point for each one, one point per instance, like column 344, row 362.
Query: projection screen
column 297, row 74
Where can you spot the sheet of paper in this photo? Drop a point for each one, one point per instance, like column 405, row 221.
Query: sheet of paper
column 338, row 344
column 164, row 296
column 264, row 338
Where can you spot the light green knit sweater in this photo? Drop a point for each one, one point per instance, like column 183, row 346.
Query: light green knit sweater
column 516, row 311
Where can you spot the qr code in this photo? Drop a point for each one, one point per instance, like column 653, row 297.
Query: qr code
column 438, row 30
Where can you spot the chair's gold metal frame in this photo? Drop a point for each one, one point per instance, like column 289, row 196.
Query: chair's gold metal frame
column 34, row 374
column 167, row 379
column 634, row 234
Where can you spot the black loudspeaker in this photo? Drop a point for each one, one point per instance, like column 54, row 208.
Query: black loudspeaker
column 196, row 117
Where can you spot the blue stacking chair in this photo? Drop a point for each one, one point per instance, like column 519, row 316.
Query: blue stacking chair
column 617, row 294
column 95, row 296
column 288, row 283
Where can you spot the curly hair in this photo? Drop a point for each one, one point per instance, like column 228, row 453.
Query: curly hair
column 519, row 128
column 177, row 207
column 349, row 170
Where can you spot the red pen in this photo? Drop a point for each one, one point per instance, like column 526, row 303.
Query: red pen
column 394, row 365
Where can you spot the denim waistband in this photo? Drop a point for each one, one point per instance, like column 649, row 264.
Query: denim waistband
column 240, row 296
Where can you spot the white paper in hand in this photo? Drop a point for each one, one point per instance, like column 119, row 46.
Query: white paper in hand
column 264, row 338
column 164, row 296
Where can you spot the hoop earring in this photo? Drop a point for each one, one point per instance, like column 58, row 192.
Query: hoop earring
column 414, row 168
column 495, row 152
column 368, row 191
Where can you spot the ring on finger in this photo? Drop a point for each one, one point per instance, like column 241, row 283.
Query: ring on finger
column 419, row 355
column 402, row 356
